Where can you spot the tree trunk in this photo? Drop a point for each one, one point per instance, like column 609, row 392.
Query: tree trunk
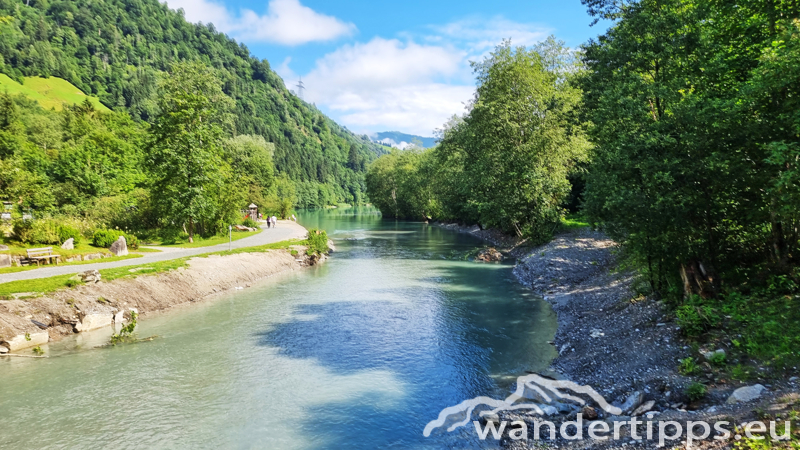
column 191, row 230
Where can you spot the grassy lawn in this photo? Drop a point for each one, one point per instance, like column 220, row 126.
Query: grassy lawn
column 48, row 285
column 50, row 92
column 16, row 248
column 200, row 242
column 74, row 263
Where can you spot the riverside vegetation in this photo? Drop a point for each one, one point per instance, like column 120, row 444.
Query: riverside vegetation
column 177, row 109
column 675, row 132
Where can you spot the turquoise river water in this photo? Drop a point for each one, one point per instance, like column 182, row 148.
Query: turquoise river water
column 358, row 353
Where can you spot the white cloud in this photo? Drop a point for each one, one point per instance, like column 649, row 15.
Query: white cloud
column 389, row 83
column 392, row 84
column 286, row 22
column 478, row 36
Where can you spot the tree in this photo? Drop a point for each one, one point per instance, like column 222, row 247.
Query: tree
column 187, row 148
column 517, row 144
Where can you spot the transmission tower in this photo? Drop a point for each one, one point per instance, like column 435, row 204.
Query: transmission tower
column 301, row 89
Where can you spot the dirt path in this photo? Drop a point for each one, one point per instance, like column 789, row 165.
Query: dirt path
column 285, row 230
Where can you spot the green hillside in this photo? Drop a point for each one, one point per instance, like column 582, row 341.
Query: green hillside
column 50, row 92
column 119, row 50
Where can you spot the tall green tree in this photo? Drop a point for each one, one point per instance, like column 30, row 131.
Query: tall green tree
column 186, row 156
column 518, row 143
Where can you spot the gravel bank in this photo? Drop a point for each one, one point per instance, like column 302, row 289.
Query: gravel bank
column 625, row 345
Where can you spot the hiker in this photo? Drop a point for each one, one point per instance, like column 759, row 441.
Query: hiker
column 268, row 222
column 274, row 222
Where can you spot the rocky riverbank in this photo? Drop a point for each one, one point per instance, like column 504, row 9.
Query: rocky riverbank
column 26, row 323
column 628, row 348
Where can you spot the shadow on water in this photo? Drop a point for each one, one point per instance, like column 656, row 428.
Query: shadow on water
column 445, row 329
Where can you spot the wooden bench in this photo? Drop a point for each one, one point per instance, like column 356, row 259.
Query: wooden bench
column 42, row 254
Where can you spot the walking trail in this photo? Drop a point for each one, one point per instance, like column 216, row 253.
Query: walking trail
column 284, row 231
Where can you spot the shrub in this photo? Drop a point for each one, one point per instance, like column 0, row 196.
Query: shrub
column 717, row 359
column 317, row 242
column 40, row 231
column 66, row 232
column 104, row 238
column 249, row 223
column 695, row 320
column 688, row 367
column 696, row 391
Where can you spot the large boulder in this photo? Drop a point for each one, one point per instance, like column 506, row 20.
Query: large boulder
column 5, row 260
column 69, row 244
column 119, row 247
column 746, row 394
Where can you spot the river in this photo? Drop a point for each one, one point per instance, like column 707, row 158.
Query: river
column 358, row 353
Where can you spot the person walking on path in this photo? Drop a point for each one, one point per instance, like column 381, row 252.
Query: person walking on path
column 274, row 222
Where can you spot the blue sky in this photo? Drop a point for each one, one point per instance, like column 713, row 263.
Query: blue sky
column 381, row 66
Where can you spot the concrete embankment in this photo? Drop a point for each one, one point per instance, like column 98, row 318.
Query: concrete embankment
column 92, row 306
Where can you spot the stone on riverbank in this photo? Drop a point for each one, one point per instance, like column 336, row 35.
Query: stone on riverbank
column 28, row 340
column 489, row 255
column 746, row 394
column 3, row 349
column 94, row 321
column 91, row 276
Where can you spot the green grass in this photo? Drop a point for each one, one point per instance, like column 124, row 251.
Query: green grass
column 573, row 221
column 216, row 240
column 50, row 92
column 41, row 286
column 19, row 249
column 74, row 263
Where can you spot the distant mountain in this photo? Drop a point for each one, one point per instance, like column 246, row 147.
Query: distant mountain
column 401, row 140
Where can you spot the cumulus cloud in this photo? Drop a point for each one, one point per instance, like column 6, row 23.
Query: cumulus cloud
column 479, row 36
column 414, row 84
column 285, row 22
column 388, row 82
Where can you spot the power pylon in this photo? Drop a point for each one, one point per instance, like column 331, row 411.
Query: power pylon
column 301, row 89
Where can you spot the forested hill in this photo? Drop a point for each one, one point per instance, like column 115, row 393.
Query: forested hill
column 116, row 50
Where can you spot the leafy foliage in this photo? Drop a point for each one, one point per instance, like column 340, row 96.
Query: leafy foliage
column 317, row 242
column 118, row 50
column 505, row 164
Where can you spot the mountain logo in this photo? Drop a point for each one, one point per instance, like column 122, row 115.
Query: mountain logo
column 529, row 387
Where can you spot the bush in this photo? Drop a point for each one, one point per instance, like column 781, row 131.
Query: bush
column 696, row 391
column 66, row 232
column 688, row 367
column 317, row 242
column 41, row 231
column 49, row 231
column 104, row 238
column 249, row 223
column 695, row 320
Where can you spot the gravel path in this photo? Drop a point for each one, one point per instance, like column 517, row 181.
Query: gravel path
column 284, row 231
